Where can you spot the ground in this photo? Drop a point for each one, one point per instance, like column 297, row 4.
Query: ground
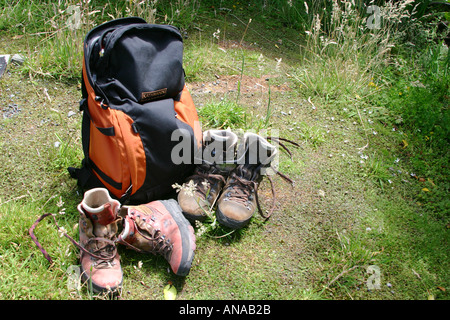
column 329, row 226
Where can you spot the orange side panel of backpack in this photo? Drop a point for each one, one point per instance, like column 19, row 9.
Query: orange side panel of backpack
column 135, row 154
column 187, row 113
column 114, row 147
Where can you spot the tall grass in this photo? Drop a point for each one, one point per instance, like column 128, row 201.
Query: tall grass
column 55, row 30
column 348, row 48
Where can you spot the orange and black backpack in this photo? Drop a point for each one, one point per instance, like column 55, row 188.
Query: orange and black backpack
column 134, row 98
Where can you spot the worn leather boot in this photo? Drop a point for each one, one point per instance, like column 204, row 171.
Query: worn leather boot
column 239, row 199
column 98, row 227
column 201, row 190
column 159, row 227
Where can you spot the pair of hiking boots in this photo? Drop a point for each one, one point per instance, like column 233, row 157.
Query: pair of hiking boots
column 228, row 176
column 230, row 168
column 158, row 227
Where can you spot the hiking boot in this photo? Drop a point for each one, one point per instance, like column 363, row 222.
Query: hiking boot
column 239, row 199
column 159, row 227
column 199, row 194
column 100, row 262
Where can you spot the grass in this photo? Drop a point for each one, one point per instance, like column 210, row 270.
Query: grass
column 371, row 181
column 222, row 115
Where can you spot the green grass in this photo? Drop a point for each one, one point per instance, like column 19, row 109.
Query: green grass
column 222, row 115
column 371, row 173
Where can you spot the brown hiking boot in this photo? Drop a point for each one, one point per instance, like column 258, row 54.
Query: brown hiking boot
column 159, row 227
column 100, row 262
column 199, row 194
column 239, row 198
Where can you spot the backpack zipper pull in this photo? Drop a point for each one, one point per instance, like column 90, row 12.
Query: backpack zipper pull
column 124, row 198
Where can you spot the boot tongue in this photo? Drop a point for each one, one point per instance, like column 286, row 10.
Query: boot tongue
column 222, row 169
column 103, row 215
column 246, row 171
column 219, row 147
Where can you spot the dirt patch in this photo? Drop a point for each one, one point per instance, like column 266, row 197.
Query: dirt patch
column 10, row 110
column 231, row 83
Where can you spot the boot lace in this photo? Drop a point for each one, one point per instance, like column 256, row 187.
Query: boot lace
column 244, row 183
column 241, row 189
column 104, row 253
column 211, row 178
column 102, row 250
column 159, row 243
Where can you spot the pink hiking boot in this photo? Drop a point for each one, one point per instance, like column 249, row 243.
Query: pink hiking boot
column 98, row 227
column 159, row 227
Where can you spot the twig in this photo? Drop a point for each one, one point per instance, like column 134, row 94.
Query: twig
column 14, row 199
column 245, row 32
column 340, row 275
column 142, row 282
column 309, row 100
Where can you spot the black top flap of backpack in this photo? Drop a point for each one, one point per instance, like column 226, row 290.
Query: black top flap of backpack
column 141, row 62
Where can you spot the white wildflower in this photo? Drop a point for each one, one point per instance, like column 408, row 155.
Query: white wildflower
column 190, row 187
column 201, row 228
column 177, row 187
column 60, row 204
column 205, row 184
column 139, row 265
column 62, row 231
column 216, row 34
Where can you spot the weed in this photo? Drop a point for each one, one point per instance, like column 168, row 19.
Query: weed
column 311, row 134
column 222, row 115
column 67, row 154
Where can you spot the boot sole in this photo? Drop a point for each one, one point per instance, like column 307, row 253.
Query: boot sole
column 230, row 223
column 187, row 236
column 193, row 217
column 96, row 288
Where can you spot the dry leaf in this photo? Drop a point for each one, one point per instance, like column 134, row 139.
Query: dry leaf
column 405, row 144
column 170, row 292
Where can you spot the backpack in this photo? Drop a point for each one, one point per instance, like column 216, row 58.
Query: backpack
column 134, row 98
